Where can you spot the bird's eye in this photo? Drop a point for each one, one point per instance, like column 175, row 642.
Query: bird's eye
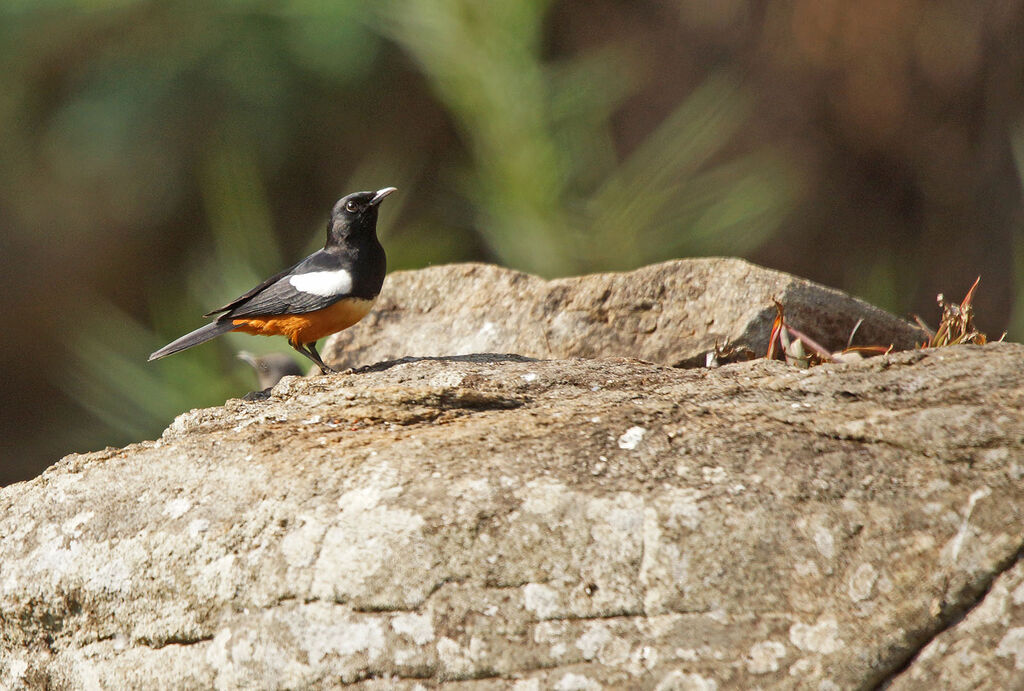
column 351, row 206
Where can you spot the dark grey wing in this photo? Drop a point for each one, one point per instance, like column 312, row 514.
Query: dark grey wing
column 262, row 286
column 280, row 298
column 311, row 263
column 277, row 295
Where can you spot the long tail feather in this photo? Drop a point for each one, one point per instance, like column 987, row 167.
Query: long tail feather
column 200, row 335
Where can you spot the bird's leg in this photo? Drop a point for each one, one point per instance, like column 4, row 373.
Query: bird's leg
column 312, row 351
column 316, row 358
column 309, row 350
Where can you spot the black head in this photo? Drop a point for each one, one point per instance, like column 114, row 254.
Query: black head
column 356, row 215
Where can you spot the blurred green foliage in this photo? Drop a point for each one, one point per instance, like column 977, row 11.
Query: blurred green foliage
column 552, row 196
column 161, row 157
column 548, row 192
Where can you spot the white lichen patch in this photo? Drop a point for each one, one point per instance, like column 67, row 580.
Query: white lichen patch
column 719, row 615
column 663, row 567
column 404, row 656
column 219, row 655
column 576, row 682
column 112, row 575
column 991, row 610
column 806, row 569
column 804, row 667
column 614, row 653
column 363, row 539
column 300, row 545
column 822, row 637
column 289, row 646
column 446, row 379
column 340, row 637
column 197, row 526
column 596, row 636
column 176, row 508
column 1012, row 644
column 616, row 544
column 642, row 660
column 541, row 600
column 597, row 642
column 920, row 543
column 658, row 625
column 1018, row 594
column 862, row 582
column 545, row 497
column 73, row 526
column 679, row 680
column 263, row 418
column 21, row 530
column 764, row 657
column 616, row 523
column 467, row 492
column 456, row 659
column 16, row 669
column 527, row 685
column 58, row 557
column 549, row 631
column 681, row 507
column 632, row 437
column 824, row 542
column 418, row 627
column 714, row 474
column 218, row 578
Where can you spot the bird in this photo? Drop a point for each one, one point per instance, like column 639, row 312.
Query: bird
column 328, row 291
column 270, row 368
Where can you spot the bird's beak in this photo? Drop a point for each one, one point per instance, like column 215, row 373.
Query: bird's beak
column 246, row 356
column 379, row 197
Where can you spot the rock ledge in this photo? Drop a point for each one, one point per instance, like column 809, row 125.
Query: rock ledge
column 492, row 521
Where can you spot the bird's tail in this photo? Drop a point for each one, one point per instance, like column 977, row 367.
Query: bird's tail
column 200, row 335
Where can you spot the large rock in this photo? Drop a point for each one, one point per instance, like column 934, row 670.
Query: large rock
column 495, row 522
column 671, row 313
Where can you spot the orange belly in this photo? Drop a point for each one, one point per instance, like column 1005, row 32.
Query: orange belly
column 308, row 327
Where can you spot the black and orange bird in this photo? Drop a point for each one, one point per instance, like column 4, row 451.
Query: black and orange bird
column 328, row 291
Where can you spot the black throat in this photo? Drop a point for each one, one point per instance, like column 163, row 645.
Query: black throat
column 355, row 246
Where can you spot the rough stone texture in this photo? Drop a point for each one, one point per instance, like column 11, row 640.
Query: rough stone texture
column 495, row 522
column 671, row 313
column 985, row 650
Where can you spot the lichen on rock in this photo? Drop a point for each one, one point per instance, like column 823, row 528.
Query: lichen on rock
column 497, row 521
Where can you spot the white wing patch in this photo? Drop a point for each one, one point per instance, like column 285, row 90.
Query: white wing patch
column 324, row 283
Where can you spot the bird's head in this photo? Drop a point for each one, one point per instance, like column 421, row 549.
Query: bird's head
column 356, row 214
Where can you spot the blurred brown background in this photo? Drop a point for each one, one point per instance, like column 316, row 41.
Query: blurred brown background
column 158, row 158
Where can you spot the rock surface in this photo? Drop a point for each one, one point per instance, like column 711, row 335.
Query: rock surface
column 492, row 521
column 671, row 313
column 986, row 650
